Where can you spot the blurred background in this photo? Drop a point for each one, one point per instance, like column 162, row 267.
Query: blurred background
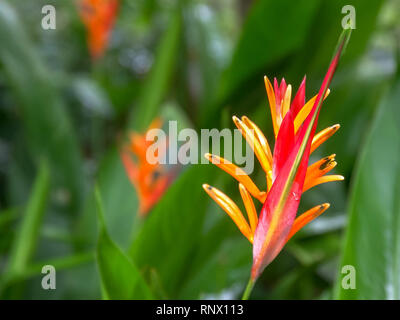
column 66, row 111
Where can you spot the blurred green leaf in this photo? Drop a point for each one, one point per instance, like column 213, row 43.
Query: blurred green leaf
column 27, row 236
column 219, row 270
column 169, row 237
column 273, row 30
column 120, row 205
column 120, row 278
column 288, row 39
column 372, row 243
column 203, row 57
column 46, row 124
column 157, row 83
column 59, row 264
column 326, row 27
column 8, row 215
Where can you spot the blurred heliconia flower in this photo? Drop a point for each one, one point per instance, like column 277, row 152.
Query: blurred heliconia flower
column 99, row 17
column 287, row 172
column 150, row 180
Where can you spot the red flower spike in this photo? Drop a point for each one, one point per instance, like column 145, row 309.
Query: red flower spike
column 277, row 90
column 280, row 208
column 282, row 88
column 150, row 180
column 290, row 175
column 278, row 101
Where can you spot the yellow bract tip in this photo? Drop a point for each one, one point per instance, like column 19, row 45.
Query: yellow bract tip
column 323, row 179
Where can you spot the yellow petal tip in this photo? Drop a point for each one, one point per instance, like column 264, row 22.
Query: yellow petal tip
column 236, row 119
column 325, row 205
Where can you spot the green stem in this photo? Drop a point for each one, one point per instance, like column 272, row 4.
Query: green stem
column 249, row 288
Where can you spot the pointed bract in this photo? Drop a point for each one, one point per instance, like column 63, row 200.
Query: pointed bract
column 284, row 144
column 300, row 98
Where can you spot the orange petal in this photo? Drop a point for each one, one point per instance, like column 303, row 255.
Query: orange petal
column 158, row 188
column 238, row 174
column 320, row 168
column 260, row 136
column 323, row 179
column 250, row 208
column 269, row 180
column 303, row 113
column 254, row 143
column 231, row 209
column 323, row 135
column 321, row 162
column 138, row 145
column 272, row 105
column 307, row 217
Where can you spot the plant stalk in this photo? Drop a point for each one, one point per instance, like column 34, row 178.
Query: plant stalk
column 249, row 288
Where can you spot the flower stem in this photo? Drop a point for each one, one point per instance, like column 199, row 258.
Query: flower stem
column 249, row 288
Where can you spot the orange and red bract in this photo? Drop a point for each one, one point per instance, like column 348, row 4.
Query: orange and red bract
column 287, row 172
column 150, row 180
column 99, row 17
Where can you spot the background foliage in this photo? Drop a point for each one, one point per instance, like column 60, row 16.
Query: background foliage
column 63, row 119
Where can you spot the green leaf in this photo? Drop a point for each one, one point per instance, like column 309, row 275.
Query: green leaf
column 26, row 240
column 372, row 243
column 119, row 277
column 119, row 199
column 120, row 204
column 216, row 269
column 171, row 234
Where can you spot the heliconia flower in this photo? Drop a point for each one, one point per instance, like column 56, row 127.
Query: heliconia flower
column 99, row 17
column 150, row 180
column 286, row 168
